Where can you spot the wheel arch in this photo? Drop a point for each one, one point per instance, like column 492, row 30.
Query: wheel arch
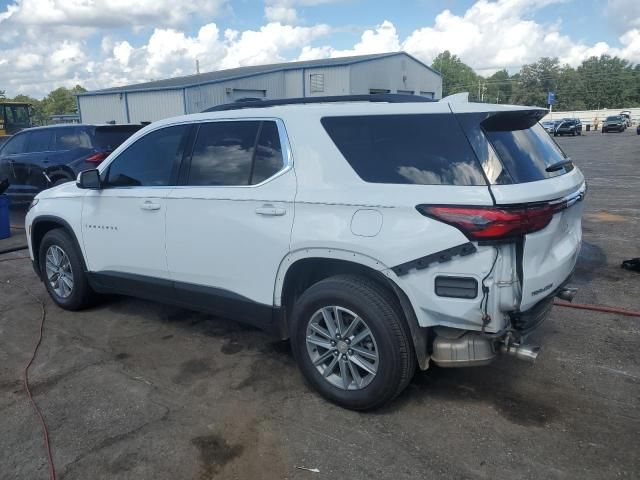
column 301, row 269
column 39, row 228
column 60, row 171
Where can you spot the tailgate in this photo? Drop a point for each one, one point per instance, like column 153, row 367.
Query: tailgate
column 527, row 169
column 549, row 256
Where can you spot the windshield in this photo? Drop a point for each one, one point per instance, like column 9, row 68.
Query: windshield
column 613, row 118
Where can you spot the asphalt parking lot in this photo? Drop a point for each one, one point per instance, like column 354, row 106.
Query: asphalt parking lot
column 132, row 389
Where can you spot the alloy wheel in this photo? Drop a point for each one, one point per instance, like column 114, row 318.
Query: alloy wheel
column 59, row 272
column 342, row 348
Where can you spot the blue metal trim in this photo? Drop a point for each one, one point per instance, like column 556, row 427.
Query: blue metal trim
column 265, row 72
column 126, row 106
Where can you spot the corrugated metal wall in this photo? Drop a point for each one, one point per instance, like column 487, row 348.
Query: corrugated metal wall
column 152, row 106
column 102, row 108
column 336, row 81
column 397, row 74
column 394, row 73
column 205, row 96
column 293, row 83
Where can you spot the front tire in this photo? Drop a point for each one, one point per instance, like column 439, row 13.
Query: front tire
column 351, row 343
column 63, row 271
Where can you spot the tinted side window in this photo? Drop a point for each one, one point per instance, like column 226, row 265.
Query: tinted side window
column 69, row 138
column 268, row 156
column 150, row 161
column 15, row 144
column 406, row 149
column 223, row 153
column 39, row 141
column 111, row 137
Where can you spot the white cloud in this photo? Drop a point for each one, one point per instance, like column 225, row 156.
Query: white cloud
column 108, row 13
column 382, row 39
column 494, row 35
column 280, row 13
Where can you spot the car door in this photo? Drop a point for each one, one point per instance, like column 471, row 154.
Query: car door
column 229, row 225
column 11, row 150
column 123, row 223
column 26, row 165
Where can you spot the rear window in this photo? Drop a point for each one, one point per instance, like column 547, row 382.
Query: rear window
column 406, row 149
column 110, row 138
column 524, row 148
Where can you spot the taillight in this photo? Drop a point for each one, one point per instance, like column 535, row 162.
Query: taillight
column 493, row 223
column 97, row 157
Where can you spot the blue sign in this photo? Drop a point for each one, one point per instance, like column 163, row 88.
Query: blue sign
column 551, row 98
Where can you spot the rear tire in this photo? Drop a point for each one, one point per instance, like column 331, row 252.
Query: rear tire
column 358, row 367
column 63, row 271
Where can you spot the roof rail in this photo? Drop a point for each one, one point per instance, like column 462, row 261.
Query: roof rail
column 378, row 97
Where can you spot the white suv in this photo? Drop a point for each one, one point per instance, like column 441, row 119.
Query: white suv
column 376, row 234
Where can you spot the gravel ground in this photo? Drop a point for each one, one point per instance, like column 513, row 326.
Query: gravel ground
column 132, row 389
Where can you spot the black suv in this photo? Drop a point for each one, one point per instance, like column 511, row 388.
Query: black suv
column 569, row 126
column 614, row 123
column 38, row 158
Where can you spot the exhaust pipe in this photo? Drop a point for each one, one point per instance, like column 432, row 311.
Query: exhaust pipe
column 528, row 353
column 567, row 293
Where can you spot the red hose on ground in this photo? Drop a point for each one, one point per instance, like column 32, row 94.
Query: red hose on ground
column 597, row 308
column 45, row 430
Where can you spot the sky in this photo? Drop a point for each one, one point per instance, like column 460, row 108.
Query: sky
column 45, row 44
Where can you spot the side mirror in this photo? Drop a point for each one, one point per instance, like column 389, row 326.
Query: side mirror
column 89, row 179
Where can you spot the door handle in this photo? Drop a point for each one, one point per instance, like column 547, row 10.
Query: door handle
column 150, row 206
column 270, row 211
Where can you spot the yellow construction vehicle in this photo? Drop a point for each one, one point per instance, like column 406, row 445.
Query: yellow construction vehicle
column 14, row 116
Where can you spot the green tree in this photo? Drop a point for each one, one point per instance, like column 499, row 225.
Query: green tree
column 497, row 88
column 456, row 76
column 609, row 82
column 535, row 81
column 61, row 100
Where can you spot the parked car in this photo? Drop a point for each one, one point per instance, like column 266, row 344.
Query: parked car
column 626, row 116
column 550, row 125
column 37, row 158
column 378, row 237
column 614, row 123
column 569, row 126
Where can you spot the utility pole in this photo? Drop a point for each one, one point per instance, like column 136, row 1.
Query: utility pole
column 197, row 66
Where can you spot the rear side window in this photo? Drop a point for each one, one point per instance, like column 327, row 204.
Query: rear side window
column 406, row 149
column 111, row 137
column 222, row 153
column 525, row 149
column 70, row 138
column 39, row 141
column 152, row 160
column 235, row 153
column 268, row 156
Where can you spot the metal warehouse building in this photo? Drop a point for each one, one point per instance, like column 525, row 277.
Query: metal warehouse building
column 396, row 72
